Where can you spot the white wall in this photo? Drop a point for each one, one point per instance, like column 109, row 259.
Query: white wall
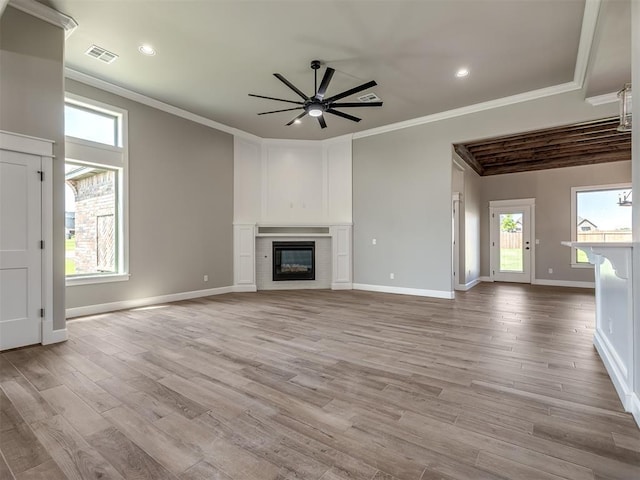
column 292, row 182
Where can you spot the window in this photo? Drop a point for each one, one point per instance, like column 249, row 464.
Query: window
column 599, row 214
column 95, row 192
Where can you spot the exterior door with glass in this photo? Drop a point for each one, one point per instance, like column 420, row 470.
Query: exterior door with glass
column 511, row 242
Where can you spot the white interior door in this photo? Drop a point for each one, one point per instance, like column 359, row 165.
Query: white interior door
column 20, row 250
column 511, row 246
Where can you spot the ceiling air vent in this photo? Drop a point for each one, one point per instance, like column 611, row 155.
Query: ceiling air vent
column 101, row 54
column 369, row 97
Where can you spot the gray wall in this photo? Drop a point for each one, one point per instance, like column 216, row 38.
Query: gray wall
column 31, row 103
column 180, row 206
column 552, row 191
column 402, row 188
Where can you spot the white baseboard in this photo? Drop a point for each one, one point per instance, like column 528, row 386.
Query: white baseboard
column 635, row 407
column 341, row 286
column 612, row 363
column 49, row 335
column 468, row 286
column 485, row 279
column 563, row 283
column 144, row 302
column 244, row 288
column 404, row 291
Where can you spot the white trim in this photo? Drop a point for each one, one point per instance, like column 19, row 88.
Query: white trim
column 47, row 14
column 602, row 99
column 486, row 279
column 418, row 292
column 16, row 142
column 341, row 286
column 612, row 362
column 516, row 202
column 468, row 286
column 93, row 279
column 49, row 335
column 478, row 107
column 587, row 34
column 144, row 302
column 634, row 407
column 563, row 283
column 145, row 100
column 244, row 288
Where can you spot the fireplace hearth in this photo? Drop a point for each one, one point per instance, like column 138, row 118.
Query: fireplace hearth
column 294, row 261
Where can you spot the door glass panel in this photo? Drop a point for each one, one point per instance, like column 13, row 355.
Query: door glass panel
column 511, row 243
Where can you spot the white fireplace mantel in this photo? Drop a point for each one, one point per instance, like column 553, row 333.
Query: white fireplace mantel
column 614, row 332
column 244, row 251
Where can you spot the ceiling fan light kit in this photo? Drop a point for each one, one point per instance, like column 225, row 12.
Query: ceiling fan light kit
column 317, row 105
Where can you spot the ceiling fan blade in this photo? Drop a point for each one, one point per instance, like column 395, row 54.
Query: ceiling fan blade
column 297, row 118
column 343, row 115
column 291, row 86
column 321, row 121
column 284, row 110
column 356, row 104
column 346, row 93
column 324, row 84
column 278, row 99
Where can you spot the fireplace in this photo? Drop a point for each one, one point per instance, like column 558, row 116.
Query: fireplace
column 294, row 261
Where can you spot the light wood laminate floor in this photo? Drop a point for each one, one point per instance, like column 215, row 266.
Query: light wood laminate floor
column 502, row 383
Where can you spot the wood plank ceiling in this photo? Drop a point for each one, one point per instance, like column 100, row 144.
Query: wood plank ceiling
column 586, row 143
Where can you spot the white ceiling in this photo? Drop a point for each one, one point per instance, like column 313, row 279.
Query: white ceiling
column 211, row 54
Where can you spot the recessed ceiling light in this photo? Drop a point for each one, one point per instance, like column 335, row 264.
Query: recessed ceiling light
column 147, row 50
column 463, row 72
column 297, row 120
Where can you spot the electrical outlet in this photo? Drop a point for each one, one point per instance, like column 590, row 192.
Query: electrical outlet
column 551, row 270
column 206, row 278
column 374, row 241
column 392, row 276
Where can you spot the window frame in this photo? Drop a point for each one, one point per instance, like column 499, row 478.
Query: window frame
column 574, row 215
column 90, row 153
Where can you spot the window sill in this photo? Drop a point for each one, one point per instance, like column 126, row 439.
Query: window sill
column 581, row 265
column 91, row 279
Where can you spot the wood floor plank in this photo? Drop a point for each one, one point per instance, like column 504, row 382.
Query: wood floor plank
column 94, row 395
column 129, row 459
column 27, row 400
column 80, row 415
column 171, row 453
column 48, row 470
column 5, row 471
column 75, row 457
column 501, row 383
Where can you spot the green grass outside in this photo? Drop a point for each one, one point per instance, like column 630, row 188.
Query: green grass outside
column 511, row 260
column 69, row 263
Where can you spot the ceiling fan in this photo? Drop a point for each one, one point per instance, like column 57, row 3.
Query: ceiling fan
column 316, row 105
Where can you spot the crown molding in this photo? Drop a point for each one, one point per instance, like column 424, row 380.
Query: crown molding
column 478, row 107
column 587, row 34
column 602, row 99
column 47, row 14
column 157, row 104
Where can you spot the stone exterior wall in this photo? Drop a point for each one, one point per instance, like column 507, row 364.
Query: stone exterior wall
column 95, row 223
